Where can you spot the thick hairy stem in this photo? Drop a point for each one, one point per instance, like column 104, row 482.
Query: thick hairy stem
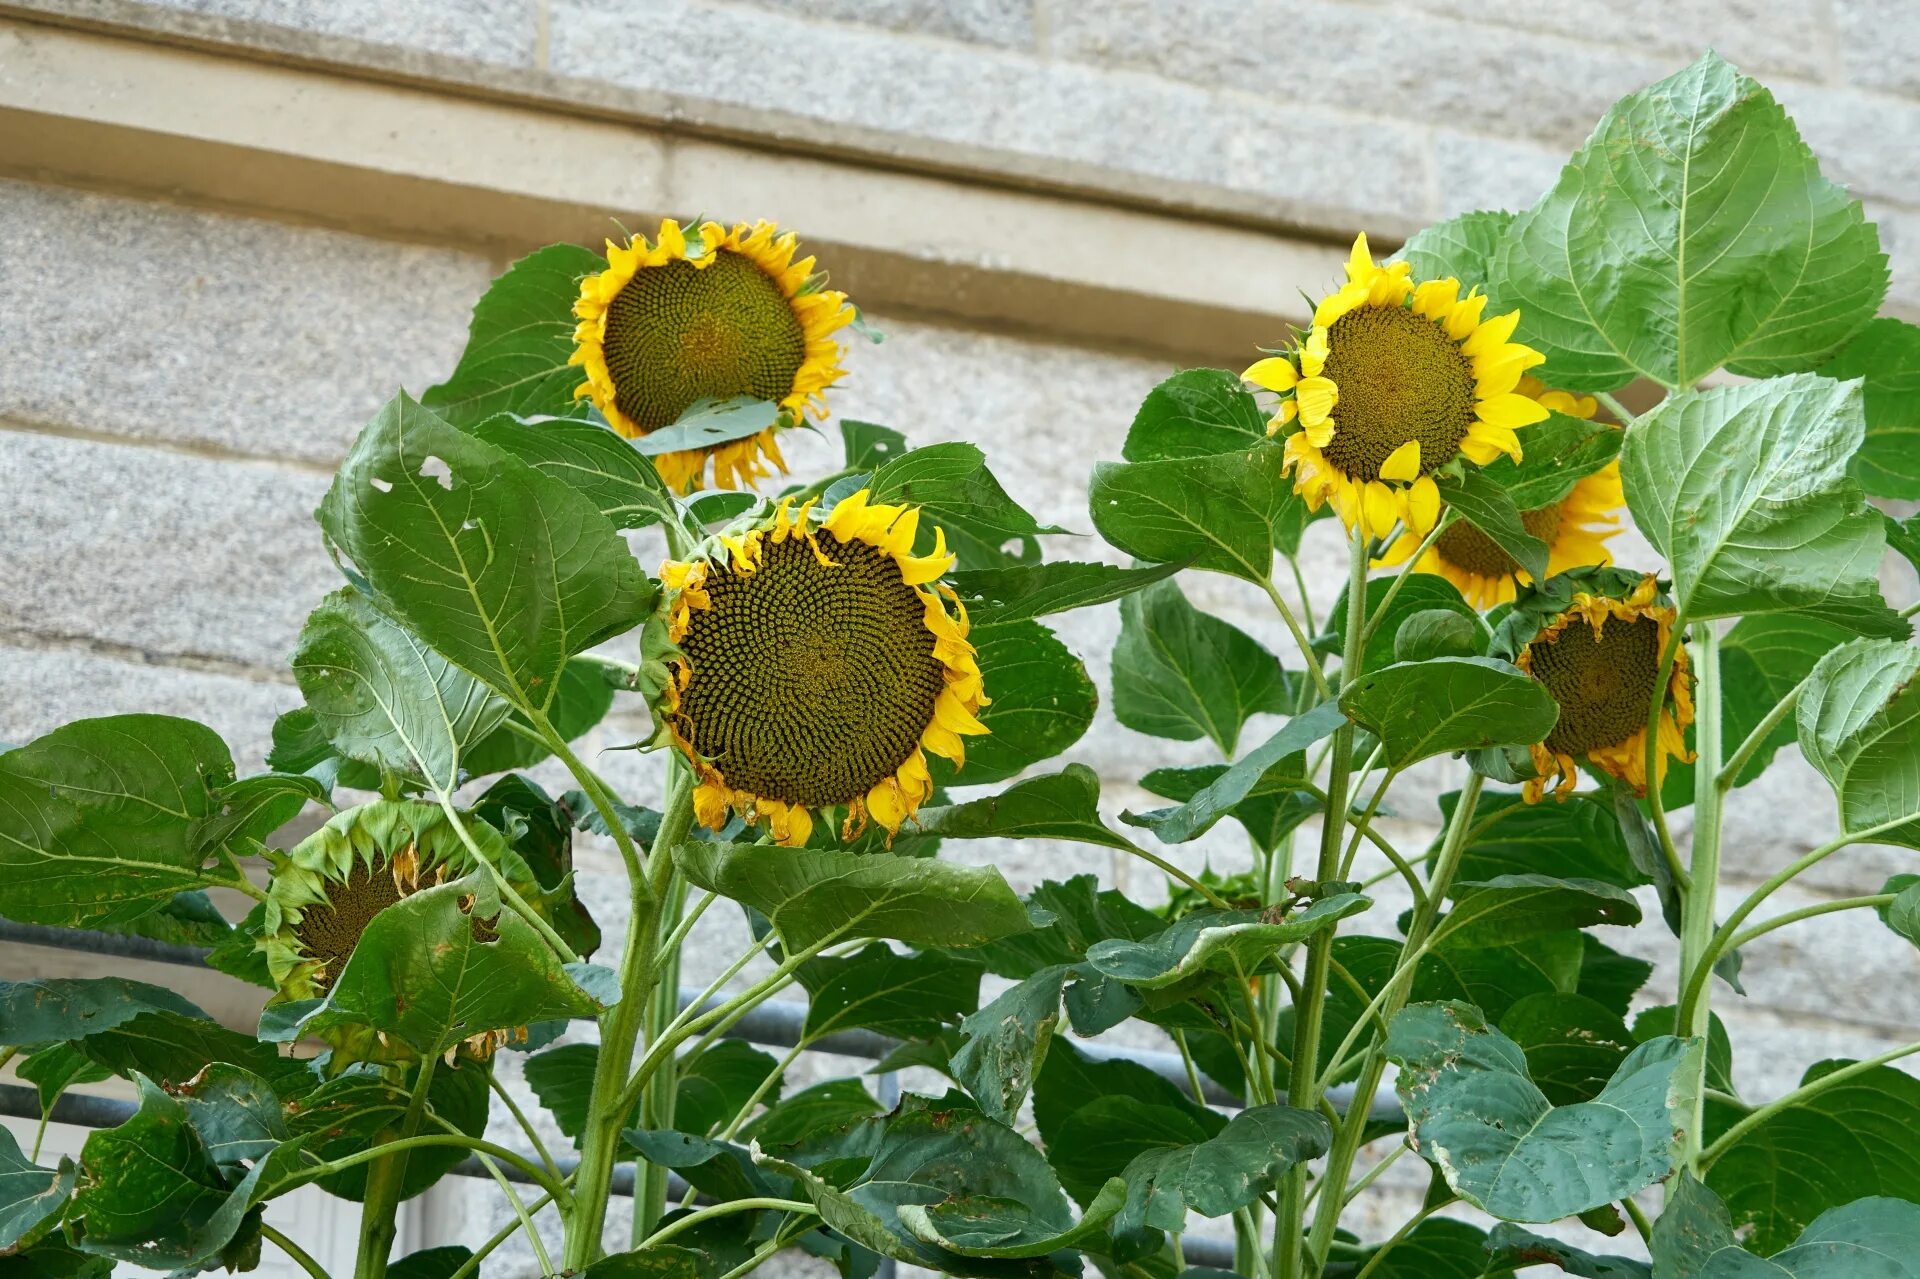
column 1303, row 1085
column 620, row 1028
column 1696, row 926
column 657, row 1099
column 1347, row 1140
column 384, row 1181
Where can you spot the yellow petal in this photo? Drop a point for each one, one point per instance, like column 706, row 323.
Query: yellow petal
column 1321, row 433
column 1491, row 333
column 1511, row 411
column 1337, row 304
column 1360, row 261
column 1403, row 463
column 1499, row 438
column 1316, row 397
column 1465, row 315
column 1275, row 373
column 1379, row 509
column 1434, row 298
column 1423, row 506
column 1313, row 351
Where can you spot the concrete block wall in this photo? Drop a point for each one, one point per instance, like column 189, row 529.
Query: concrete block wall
column 177, row 383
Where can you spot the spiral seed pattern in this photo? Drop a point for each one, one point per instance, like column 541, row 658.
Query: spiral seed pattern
column 1604, row 685
column 1401, row 378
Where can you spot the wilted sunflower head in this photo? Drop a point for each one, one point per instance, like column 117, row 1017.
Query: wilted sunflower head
column 819, row 661
column 1395, row 379
column 708, row 312
column 1599, row 656
column 322, row 896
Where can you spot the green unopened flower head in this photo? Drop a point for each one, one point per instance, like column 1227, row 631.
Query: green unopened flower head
column 323, row 895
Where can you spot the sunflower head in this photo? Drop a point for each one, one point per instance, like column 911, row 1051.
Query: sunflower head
column 1395, row 380
column 817, row 662
column 323, row 895
column 708, row 312
column 1594, row 639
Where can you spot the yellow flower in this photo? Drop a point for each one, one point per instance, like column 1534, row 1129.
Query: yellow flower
column 1600, row 659
column 1395, row 379
column 819, row 662
column 706, row 312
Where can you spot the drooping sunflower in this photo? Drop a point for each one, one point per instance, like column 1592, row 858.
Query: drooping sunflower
column 819, row 662
column 1599, row 656
column 708, row 312
column 324, row 894
column 1395, row 379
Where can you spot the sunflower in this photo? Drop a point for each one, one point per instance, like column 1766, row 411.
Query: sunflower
column 819, row 662
column 1395, row 379
column 1600, row 659
column 323, row 895
column 706, row 312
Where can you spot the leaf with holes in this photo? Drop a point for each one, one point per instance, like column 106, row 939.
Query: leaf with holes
column 1006, row 1043
column 1504, row 1148
column 505, row 571
column 1692, row 231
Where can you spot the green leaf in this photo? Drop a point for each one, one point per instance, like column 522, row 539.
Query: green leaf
column 562, row 1078
column 32, row 1198
column 1576, row 838
column 1904, row 537
column 1195, row 413
column 1761, row 660
column 100, row 820
column 662, row 1261
column 1483, row 503
column 1692, row 231
column 1902, row 914
column 955, row 491
column 53, row 1009
column 1560, row 452
column 1183, row 674
column 1082, row 913
column 591, row 459
column 584, row 697
column 825, row 1106
column 1419, row 593
column 1447, row 704
column 171, row 1048
column 430, row 1263
column 504, row 571
column 811, row 896
column 868, row 444
column 1277, row 805
column 1612, row 979
column 384, row 698
column 1006, row 1043
column 714, row 1086
column 448, row 963
column 236, row 1113
column 955, row 1167
column 1860, row 726
column 718, row 1169
column 55, row 1068
column 1437, row 1248
column 1464, row 247
column 1885, row 355
column 1851, row 1140
column 709, row 423
column 1504, row 1148
column 150, row 1193
column 186, row 919
column 1438, row 632
column 1572, row 1044
column 1654, row 1022
column 1215, row 512
column 1237, row 942
column 1509, row 1245
column 1022, row 591
column 1095, row 1116
column 1063, row 805
column 1510, row 908
column 1043, row 703
column 1744, row 490
column 1222, row 1174
column 349, row 1112
column 880, row 989
column 521, row 341
column 1248, row 777
column 1866, row 1239
column 540, row 829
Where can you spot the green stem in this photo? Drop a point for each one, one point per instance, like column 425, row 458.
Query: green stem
column 1696, row 927
column 658, row 1098
column 597, row 795
column 1723, row 938
column 385, row 1180
column 692, row 1219
column 1420, row 931
column 1656, row 706
column 294, row 1251
column 535, row 1173
column 609, row 1103
column 520, row 1117
column 1372, row 1174
column 1168, row 869
column 1364, row 824
column 1737, row 761
column 1300, row 637
column 1614, row 406
column 1399, row 1237
column 1799, row 1095
column 780, row 1240
column 508, row 893
column 1406, row 571
column 472, row 1264
column 1303, row 1085
column 745, row 1111
column 521, row 1215
column 1639, row 1220
column 1874, row 901
column 1306, row 597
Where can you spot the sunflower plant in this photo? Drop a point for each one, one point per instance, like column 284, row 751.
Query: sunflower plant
column 1601, row 472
